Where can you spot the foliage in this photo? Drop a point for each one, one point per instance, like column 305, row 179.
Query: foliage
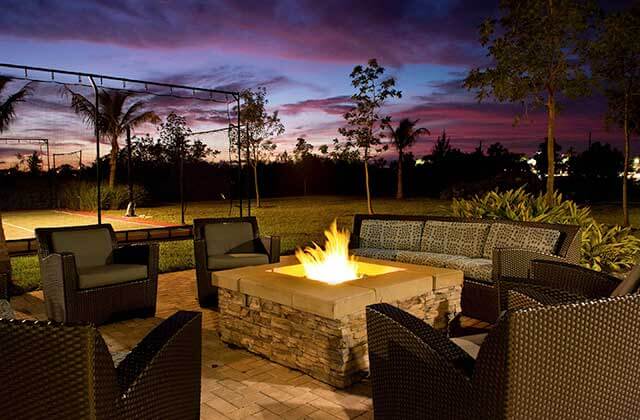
column 404, row 136
column 81, row 195
column 599, row 161
column 364, row 124
column 258, row 128
column 31, row 162
column 615, row 63
column 606, row 248
column 113, row 118
column 536, row 48
column 8, row 105
column 302, row 150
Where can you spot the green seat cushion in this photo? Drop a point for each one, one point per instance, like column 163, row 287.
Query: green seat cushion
column 503, row 235
column 91, row 247
column 235, row 260
column 222, row 238
column 455, row 238
column 380, row 254
column 391, row 234
column 105, row 275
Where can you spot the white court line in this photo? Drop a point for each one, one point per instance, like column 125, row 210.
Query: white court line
column 109, row 218
column 17, row 227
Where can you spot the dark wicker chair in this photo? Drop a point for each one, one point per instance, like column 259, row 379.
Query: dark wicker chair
column 553, row 282
column 57, row 371
column 86, row 277
column 570, row 361
column 226, row 243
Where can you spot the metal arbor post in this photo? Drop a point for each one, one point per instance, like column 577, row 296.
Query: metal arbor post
column 97, row 133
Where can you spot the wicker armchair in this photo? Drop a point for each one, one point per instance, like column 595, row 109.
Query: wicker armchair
column 59, row 371
column 548, row 362
column 553, row 282
column 86, row 277
column 226, row 243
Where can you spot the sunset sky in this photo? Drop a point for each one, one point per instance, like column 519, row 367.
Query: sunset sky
column 302, row 51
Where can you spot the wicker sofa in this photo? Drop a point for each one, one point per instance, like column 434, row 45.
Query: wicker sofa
column 568, row 361
column 87, row 277
column 487, row 251
column 59, row 371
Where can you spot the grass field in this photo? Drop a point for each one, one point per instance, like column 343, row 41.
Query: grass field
column 297, row 220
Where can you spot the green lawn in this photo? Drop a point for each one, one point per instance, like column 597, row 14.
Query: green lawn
column 297, row 220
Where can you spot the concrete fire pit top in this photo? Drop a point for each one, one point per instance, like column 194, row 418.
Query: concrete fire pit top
column 336, row 301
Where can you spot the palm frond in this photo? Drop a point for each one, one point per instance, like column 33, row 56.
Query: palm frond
column 8, row 106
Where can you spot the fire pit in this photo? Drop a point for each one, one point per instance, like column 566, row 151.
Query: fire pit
column 313, row 319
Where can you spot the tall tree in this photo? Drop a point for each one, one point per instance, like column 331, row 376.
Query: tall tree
column 364, row 123
column 8, row 104
column 114, row 116
column 535, row 46
column 403, row 137
column 615, row 62
column 303, row 153
column 258, row 130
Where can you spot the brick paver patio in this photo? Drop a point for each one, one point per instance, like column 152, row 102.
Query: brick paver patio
column 235, row 383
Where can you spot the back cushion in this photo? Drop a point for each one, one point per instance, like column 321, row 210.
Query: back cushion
column 221, row 238
column 91, row 247
column 391, row 234
column 502, row 235
column 454, row 238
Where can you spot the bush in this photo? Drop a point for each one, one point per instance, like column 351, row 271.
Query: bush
column 604, row 248
column 81, row 195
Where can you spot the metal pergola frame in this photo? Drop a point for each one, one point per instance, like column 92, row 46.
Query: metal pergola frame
column 28, row 74
column 29, row 140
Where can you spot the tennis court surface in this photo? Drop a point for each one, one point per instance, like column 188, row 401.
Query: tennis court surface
column 21, row 224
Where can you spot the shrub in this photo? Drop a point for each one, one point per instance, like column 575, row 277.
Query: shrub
column 81, row 195
column 604, row 248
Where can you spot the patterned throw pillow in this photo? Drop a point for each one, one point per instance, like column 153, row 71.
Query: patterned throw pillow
column 454, row 238
column 502, row 235
column 390, row 234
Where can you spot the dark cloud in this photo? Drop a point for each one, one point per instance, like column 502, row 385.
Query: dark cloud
column 336, row 105
column 396, row 32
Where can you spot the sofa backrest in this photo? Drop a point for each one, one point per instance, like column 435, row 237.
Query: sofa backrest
column 391, row 234
column 223, row 235
column 567, row 240
column 91, row 245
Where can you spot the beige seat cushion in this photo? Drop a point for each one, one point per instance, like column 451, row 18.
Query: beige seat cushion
column 426, row 258
column 104, row 275
column 229, row 261
column 6, row 311
column 455, row 238
column 221, row 238
column 470, row 343
column 391, row 234
column 380, row 254
column 503, row 235
column 91, row 247
column 475, row 268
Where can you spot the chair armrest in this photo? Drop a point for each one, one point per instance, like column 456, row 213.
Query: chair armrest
column 166, row 364
column 435, row 340
column 572, row 278
column 134, row 253
column 4, row 286
column 515, row 264
column 272, row 245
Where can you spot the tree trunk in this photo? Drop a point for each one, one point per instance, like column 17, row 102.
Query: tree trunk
column 625, row 171
column 399, row 191
column 366, row 184
column 255, row 183
column 113, row 162
column 551, row 150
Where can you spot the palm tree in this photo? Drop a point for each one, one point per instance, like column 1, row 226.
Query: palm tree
column 403, row 137
column 114, row 118
column 8, row 106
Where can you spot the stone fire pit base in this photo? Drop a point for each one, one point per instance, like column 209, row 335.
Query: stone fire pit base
column 331, row 347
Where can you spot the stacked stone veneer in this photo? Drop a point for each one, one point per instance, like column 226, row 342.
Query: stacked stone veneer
column 333, row 351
